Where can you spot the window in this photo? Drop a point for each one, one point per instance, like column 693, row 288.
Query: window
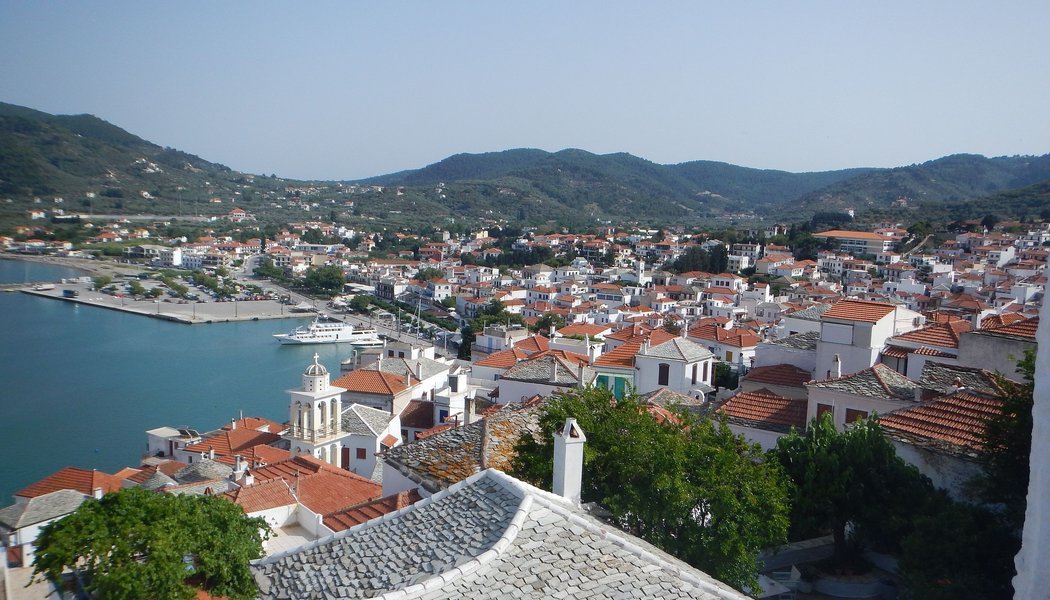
column 704, row 378
column 729, row 356
column 825, row 408
column 695, row 368
column 602, row 381
column 853, row 414
column 453, row 384
column 664, row 374
column 361, row 454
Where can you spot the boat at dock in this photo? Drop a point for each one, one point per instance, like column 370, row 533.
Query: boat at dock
column 328, row 330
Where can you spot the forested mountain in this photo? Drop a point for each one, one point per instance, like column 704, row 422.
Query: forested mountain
column 90, row 163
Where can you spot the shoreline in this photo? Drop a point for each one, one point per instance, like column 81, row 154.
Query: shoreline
column 91, row 266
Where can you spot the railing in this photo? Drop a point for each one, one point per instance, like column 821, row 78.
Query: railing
column 305, row 433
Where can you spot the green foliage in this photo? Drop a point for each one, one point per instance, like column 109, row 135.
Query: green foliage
column 360, row 302
column 544, row 324
column 467, row 342
column 325, row 280
column 850, row 476
column 715, row 260
column 1008, row 440
column 691, row 488
column 101, row 281
column 269, row 270
column 959, row 551
column 131, row 544
column 429, row 273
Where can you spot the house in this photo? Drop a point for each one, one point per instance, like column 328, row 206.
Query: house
column 999, row 348
column 856, row 396
column 20, row 523
column 543, row 375
column 858, row 242
column 733, row 345
column 488, row 535
column 855, row 332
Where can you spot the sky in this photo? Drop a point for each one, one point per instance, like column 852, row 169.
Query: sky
column 346, row 90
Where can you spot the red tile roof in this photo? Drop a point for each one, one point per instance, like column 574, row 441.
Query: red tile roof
column 584, row 329
column 956, row 422
column 738, row 337
column 504, row 359
column 419, row 414
column 321, row 487
column 257, row 423
column 764, row 407
column 73, row 478
column 262, row 496
column 786, row 375
column 622, row 356
column 531, row 345
column 361, row 513
column 945, row 334
column 227, row 442
column 859, row 310
column 1025, row 329
column 370, row 381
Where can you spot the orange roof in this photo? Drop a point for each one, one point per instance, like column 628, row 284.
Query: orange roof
column 257, row 423
column 957, row 420
column 73, row 478
column 321, row 487
column 261, row 496
column 945, row 334
column 227, row 442
column 859, row 310
column 256, row 455
column 584, row 329
column 370, row 381
column 503, row 359
column 738, row 337
column 366, row 511
column 786, row 375
column 763, row 406
column 622, row 356
column 536, row 343
column 1026, row 328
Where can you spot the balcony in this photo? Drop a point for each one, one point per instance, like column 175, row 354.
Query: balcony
column 316, row 434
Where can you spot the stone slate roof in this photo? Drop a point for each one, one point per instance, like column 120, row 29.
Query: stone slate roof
column 811, row 313
column 878, row 381
column 800, row 341
column 446, row 457
column 667, row 398
column 205, row 470
column 364, row 420
column 548, row 369
column 943, row 377
column 679, row 349
column 157, row 480
column 490, row 536
column 40, row 508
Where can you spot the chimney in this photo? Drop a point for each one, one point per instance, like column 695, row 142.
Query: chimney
column 836, row 367
column 579, row 374
column 918, row 394
column 97, row 493
column 568, row 461
column 233, row 424
column 238, row 468
column 554, row 369
column 211, row 453
column 249, row 479
column 408, row 377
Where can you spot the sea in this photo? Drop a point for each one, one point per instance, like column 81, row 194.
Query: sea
column 80, row 385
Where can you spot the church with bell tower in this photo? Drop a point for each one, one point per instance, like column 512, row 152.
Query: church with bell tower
column 315, row 416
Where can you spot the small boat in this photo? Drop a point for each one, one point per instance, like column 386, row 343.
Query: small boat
column 326, row 330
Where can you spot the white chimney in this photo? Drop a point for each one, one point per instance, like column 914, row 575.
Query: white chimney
column 836, row 367
column 233, row 424
column 97, row 493
column 568, row 461
column 238, row 468
column 249, row 479
column 211, row 453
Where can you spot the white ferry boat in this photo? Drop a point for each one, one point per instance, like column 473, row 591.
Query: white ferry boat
column 326, row 330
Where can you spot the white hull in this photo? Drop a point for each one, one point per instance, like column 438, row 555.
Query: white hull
column 324, row 331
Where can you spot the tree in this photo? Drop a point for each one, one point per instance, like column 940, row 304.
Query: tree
column 429, row 273
column 1008, row 443
column 852, row 476
column 328, row 279
column 140, row 544
column 688, row 486
column 990, row 221
column 101, row 281
column 465, row 344
column 269, row 270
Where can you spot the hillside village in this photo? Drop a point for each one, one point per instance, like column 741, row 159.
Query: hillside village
column 769, row 343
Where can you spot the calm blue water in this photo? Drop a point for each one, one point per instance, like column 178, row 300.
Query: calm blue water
column 79, row 386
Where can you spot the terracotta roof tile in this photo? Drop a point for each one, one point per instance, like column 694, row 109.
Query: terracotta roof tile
column 360, row 513
column 859, row 310
column 765, row 410
column 73, row 478
column 503, row 359
column 227, row 442
column 786, row 375
column 370, row 381
column 531, row 345
column 1026, row 328
column 419, row 414
column 945, row 335
column 257, row 423
column 321, row 487
column 264, row 495
column 954, row 423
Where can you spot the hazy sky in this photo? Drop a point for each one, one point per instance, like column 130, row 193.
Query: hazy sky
column 342, row 90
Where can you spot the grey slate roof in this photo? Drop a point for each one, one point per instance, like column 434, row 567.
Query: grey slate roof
column 811, row 313
column 548, row 369
column 157, row 480
column 447, row 457
column 204, row 470
column 942, row 377
column 680, row 349
column 668, row 398
column 364, row 420
column 40, row 508
column 490, row 536
column 800, row 341
column 879, row 381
